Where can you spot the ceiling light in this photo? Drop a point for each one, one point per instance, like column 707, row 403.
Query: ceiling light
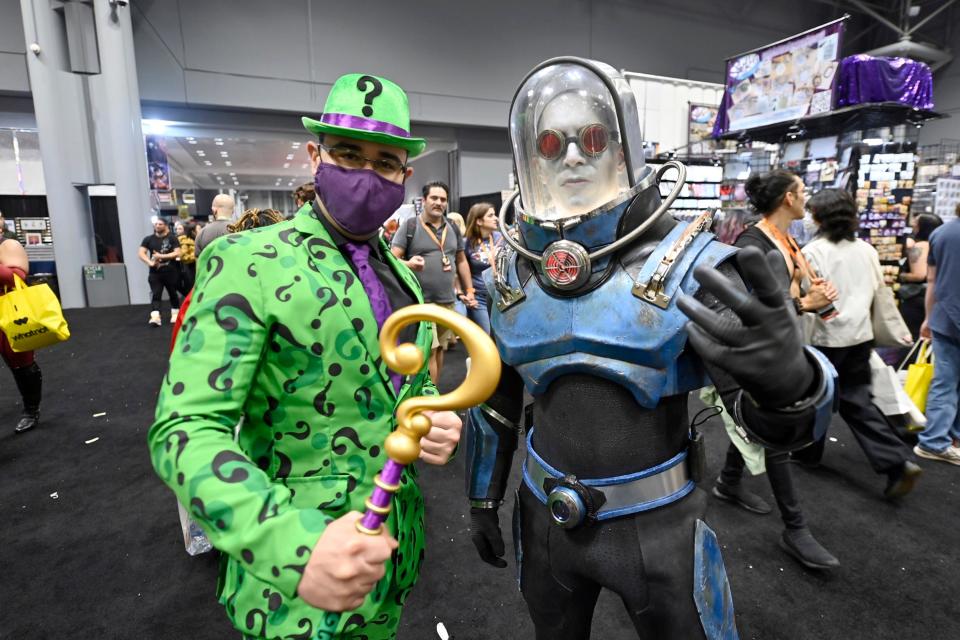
column 304, row 165
column 208, row 163
column 873, row 142
column 295, row 145
column 224, row 154
column 286, row 165
column 232, row 174
column 201, row 152
column 192, row 141
column 155, row 127
column 289, row 156
column 228, row 163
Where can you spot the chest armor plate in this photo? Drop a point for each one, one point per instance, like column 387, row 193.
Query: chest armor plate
column 609, row 332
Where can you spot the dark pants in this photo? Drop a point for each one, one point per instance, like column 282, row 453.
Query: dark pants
column 188, row 274
column 646, row 559
column 885, row 451
column 166, row 278
column 781, row 482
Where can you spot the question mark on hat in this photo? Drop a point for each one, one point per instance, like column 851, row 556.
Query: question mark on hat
column 376, row 90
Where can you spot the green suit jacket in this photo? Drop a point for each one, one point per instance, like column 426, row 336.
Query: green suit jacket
column 280, row 334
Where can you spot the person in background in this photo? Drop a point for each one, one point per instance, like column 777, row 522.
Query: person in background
column 459, row 305
column 26, row 372
column 186, row 235
column 160, row 252
column 457, row 219
column 779, row 197
column 853, row 267
column 432, row 248
column 481, row 242
column 222, row 210
column 913, row 273
column 303, row 196
column 251, row 219
column 942, row 326
column 255, row 218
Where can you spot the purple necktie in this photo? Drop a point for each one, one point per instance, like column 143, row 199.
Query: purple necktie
column 359, row 254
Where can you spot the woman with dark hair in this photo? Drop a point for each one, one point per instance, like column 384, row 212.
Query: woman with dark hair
column 847, row 340
column 779, row 197
column 187, row 236
column 481, row 242
column 913, row 272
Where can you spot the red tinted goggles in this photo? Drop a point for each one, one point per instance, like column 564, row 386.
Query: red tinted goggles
column 592, row 140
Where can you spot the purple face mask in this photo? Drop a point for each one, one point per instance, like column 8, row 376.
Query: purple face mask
column 359, row 200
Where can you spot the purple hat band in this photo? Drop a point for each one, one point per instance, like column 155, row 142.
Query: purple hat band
column 363, row 124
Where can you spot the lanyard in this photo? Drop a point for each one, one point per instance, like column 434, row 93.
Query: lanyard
column 786, row 241
column 441, row 241
column 491, row 253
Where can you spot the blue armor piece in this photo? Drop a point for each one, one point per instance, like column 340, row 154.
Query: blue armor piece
column 711, row 588
column 827, row 402
column 608, row 332
column 482, row 442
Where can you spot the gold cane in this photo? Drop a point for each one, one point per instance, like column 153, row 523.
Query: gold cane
column 403, row 445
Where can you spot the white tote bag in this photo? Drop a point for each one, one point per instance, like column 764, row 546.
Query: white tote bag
column 888, row 393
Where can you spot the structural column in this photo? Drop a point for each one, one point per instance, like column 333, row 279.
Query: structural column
column 86, row 98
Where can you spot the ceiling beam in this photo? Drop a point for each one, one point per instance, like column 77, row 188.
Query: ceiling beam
column 934, row 14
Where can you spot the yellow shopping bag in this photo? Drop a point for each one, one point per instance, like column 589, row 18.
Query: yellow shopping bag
column 31, row 317
column 919, row 375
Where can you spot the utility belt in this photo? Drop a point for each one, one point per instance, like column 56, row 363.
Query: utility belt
column 573, row 501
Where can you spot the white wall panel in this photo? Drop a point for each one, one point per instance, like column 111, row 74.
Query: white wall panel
column 663, row 104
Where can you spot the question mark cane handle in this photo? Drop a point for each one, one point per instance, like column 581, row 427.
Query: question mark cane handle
column 403, row 445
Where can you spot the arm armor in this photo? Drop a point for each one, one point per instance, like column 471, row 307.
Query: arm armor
column 491, row 442
column 807, row 419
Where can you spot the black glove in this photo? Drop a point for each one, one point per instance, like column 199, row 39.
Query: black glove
column 486, row 536
column 762, row 348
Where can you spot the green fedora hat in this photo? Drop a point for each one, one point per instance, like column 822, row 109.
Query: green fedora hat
column 368, row 108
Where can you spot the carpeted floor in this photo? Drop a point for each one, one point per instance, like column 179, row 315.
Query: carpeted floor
column 91, row 544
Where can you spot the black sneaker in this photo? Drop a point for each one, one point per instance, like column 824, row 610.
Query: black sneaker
column 801, row 544
column 741, row 497
column 902, row 480
column 27, row 421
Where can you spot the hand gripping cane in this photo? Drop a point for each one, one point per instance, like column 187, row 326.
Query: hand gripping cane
column 403, row 445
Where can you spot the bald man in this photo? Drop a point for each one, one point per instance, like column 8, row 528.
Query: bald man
column 222, row 210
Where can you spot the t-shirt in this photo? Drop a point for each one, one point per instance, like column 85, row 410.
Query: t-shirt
column 479, row 256
column 211, row 232
column 945, row 256
column 436, row 283
column 155, row 244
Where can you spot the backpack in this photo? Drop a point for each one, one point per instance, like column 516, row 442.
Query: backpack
column 411, row 231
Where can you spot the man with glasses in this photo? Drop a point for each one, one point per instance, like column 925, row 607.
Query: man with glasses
column 283, row 332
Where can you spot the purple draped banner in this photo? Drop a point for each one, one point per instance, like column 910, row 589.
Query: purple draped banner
column 865, row 79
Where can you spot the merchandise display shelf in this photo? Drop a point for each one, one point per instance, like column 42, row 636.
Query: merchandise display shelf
column 884, row 193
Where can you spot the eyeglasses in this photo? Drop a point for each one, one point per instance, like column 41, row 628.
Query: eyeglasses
column 592, row 140
column 349, row 159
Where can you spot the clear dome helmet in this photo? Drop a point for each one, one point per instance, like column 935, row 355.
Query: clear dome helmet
column 578, row 151
column 576, row 139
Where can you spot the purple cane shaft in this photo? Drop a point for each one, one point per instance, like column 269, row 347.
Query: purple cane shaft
column 381, row 498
